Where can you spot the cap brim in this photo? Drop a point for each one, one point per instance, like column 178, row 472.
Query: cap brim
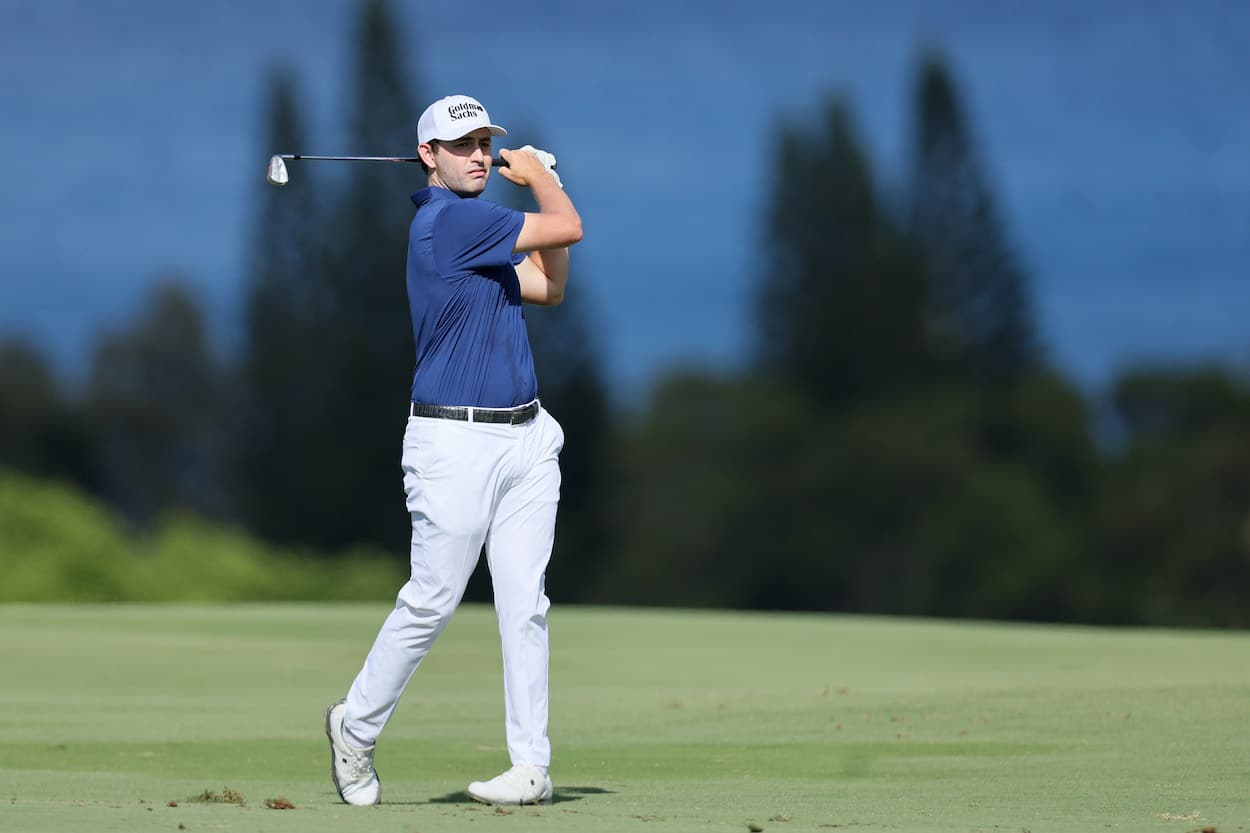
column 495, row 130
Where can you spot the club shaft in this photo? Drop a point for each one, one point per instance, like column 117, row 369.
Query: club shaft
column 495, row 160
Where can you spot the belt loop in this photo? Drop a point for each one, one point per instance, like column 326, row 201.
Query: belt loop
column 469, row 413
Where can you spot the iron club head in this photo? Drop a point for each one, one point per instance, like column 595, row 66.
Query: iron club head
column 277, row 175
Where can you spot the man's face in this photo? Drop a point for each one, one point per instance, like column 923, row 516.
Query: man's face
column 461, row 165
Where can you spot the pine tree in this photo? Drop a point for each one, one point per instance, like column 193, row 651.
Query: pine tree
column 841, row 297
column 368, row 330
column 286, row 309
column 979, row 307
column 329, row 351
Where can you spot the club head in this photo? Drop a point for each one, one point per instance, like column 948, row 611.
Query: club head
column 277, row 175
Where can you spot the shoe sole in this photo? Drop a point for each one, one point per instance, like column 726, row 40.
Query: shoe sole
column 541, row 803
column 333, row 772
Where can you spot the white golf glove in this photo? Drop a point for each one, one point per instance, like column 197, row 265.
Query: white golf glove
column 548, row 160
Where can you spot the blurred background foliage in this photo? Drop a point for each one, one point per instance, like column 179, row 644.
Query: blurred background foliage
column 899, row 443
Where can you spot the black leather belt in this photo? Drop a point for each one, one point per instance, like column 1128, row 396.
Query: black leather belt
column 506, row 416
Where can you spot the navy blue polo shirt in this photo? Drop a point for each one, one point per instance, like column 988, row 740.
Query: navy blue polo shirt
column 465, row 300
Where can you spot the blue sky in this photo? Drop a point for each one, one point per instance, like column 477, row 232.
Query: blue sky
column 1116, row 133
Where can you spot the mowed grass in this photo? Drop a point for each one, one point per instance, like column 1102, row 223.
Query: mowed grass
column 661, row 721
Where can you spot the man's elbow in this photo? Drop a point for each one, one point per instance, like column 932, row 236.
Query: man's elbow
column 551, row 295
column 573, row 234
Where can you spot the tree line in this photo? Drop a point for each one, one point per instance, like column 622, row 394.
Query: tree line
column 897, row 443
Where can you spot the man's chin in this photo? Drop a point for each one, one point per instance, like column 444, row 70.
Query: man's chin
column 472, row 188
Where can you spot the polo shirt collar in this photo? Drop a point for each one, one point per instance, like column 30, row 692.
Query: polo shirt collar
column 432, row 193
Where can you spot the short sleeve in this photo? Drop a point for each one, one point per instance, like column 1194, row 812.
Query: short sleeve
column 477, row 234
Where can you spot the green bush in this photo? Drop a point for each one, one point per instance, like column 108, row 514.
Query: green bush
column 58, row 545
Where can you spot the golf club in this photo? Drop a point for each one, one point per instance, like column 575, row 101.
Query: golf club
column 277, row 173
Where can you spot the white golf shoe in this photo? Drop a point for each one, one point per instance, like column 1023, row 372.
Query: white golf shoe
column 523, row 784
column 350, row 767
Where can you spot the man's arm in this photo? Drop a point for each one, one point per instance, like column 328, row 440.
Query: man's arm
column 547, row 234
column 543, row 276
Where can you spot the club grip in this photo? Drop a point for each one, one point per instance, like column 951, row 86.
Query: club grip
column 500, row 162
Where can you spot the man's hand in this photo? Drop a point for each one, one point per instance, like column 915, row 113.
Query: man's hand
column 548, row 160
column 528, row 164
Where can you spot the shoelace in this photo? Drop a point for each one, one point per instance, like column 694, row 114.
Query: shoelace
column 361, row 763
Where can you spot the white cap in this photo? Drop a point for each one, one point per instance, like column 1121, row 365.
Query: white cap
column 452, row 117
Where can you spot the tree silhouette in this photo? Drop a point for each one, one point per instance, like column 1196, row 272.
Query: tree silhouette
column 155, row 396
column 285, row 311
column 979, row 309
column 1172, row 526
column 329, row 351
column 840, row 306
column 368, row 331
column 42, row 430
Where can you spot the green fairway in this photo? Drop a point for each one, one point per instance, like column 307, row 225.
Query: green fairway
column 661, row 721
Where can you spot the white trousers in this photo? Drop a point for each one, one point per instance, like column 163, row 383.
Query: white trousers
column 471, row 485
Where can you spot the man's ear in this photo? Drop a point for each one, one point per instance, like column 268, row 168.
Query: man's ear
column 426, row 151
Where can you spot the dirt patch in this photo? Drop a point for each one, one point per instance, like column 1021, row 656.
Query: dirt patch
column 226, row 796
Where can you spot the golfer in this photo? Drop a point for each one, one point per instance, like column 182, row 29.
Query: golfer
column 480, row 453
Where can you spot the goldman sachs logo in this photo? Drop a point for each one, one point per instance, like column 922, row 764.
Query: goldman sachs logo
column 465, row 109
